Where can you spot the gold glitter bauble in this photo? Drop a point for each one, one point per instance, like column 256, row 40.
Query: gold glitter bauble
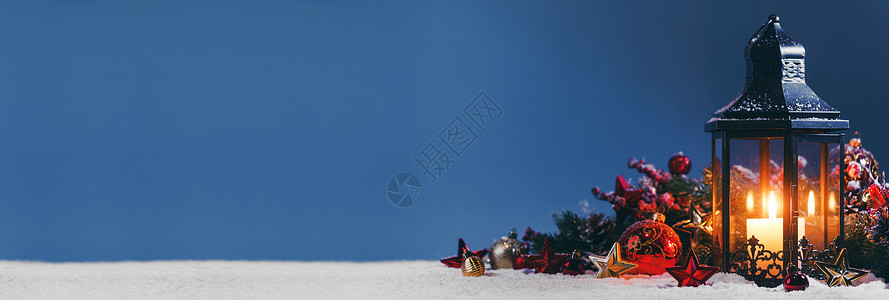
column 473, row 266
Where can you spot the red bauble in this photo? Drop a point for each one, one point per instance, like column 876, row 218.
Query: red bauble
column 854, row 170
column 573, row 266
column 651, row 245
column 796, row 281
column 680, row 164
column 878, row 196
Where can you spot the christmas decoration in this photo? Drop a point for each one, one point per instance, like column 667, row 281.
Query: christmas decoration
column 679, row 164
column 698, row 226
column 657, row 190
column 839, row 272
column 862, row 176
column 867, row 213
column 594, row 233
column 776, row 97
column 651, row 245
column 878, row 230
column 545, row 262
column 861, row 251
column 795, row 280
column 649, row 170
column 612, row 265
column 519, row 263
column 457, row 261
column 875, row 196
column 692, row 273
column 505, row 251
column 866, row 235
column 574, row 265
column 472, row 265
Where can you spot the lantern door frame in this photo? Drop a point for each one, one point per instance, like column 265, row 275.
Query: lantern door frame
column 792, row 137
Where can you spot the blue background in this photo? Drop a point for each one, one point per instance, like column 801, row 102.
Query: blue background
column 269, row 130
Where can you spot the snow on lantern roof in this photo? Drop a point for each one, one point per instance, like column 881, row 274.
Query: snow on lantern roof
column 775, row 94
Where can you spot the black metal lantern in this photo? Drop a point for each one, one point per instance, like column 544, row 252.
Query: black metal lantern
column 776, row 167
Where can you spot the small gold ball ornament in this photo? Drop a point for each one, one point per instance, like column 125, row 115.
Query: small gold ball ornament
column 472, row 265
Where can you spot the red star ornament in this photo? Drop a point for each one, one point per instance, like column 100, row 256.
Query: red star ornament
column 545, row 262
column 622, row 188
column 457, row 260
column 692, row 274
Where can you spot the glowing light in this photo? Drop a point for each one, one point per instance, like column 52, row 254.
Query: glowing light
column 749, row 201
column 768, row 231
column 811, row 203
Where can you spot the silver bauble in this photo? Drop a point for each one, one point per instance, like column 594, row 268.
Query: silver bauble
column 505, row 251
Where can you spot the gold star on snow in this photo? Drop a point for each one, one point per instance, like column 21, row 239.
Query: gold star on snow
column 612, row 265
column 839, row 273
column 697, row 226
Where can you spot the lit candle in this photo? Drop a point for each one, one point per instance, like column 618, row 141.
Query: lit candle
column 770, row 231
column 749, row 201
column 811, row 204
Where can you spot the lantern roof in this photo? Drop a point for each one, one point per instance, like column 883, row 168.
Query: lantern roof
column 775, row 94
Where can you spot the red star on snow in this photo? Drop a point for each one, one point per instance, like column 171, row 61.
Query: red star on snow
column 545, row 262
column 457, row 261
column 692, row 274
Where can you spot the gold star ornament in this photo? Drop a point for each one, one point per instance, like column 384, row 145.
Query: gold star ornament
column 697, row 226
column 612, row 265
column 839, row 272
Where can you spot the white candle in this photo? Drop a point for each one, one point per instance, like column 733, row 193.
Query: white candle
column 770, row 231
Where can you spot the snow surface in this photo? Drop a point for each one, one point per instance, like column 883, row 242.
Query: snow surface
column 375, row 280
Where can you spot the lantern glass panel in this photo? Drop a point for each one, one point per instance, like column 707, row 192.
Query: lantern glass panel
column 756, row 206
column 833, row 190
column 810, row 196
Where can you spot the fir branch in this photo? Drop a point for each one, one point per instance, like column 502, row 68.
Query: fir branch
column 862, row 252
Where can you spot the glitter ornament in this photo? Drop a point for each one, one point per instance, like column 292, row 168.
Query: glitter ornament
column 472, row 265
column 613, row 264
column 795, row 280
column 692, row 273
column 651, row 245
column 574, row 265
column 679, row 164
column 506, row 251
column 839, row 272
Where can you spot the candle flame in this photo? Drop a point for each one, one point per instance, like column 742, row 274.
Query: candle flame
column 749, row 201
column 773, row 206
column 811, row 203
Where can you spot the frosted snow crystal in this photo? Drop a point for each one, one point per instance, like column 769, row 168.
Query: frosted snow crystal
column 377, row 280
